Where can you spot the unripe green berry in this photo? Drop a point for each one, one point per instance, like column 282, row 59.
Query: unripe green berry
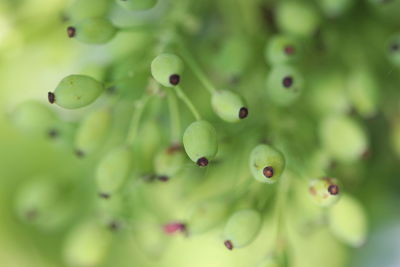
column 242, row 228
column 205, row 215
column 269, row 262
column 167, row 69
column 284, row 85
column 343, row 138
column 34, row 118
column 393, row 49
column 348, row 221
column 92, row 31
column 282, row 49
column 229, row 106
column 92, row 131
column 324, row 191
column 87, row 245
column 200, row 142
column 266, row 163
column 137, row 4
column 168, row 162
column 76, row 91
column 83, row 9
column 113, row 170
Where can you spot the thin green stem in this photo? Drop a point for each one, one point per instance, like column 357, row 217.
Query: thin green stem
column 279, row 212
column 174, row 117
column 135, row 121
column 182, row 96
column 196, row 69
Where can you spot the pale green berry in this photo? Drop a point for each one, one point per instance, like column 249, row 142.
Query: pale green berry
column 343, row 138
column 113, row 170
column 229, row 106
column 87, row 245
column 169, row 162
column 242, row 228
column 92, row 31
column 363, row 91
column 335, row 8
column 200, row 142
column 92, row 131
column 297, row 18
column 34, row 118
column 284, row 85
column 76, row 91
column 83, row 9
column 348, row 221
column 167, row 69
column 269, row 262
column 282, row 49
column 205, row 215
column 137, row 4
column 266, row 163
column 324, row 191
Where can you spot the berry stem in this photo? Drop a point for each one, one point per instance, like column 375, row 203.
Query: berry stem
column 279, row 211
column 187, row 102
column 174, row 117
column 135, row 121
column 196, row 69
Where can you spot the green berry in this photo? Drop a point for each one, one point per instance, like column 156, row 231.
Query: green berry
column 87, row 245
column 395, row 138
column 266, row 164
column 229, row 106
column 113, row 170
column 269, row 262
column 324, row 191
column 335, row 8
column 297, row 18
column 169, row 162
column 83, row 9
column 92, row 131
column 167, row 69
column 343, row 138
column 34, row 118
column 393, row 49
column 242, row 228
column 92, row 31
column 284, row 85
column 200, row 142
column 205, row 215
column 348, row 221
column 76, row 91
column 137, row 4
column 282, row 49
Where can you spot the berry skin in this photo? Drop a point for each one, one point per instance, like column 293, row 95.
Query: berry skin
column 335, row 8
column 87, row 245
column 242, row 228
column 343, row 138
column 92, row 31
column 229, row 106
column 76, row 91
column 393, row 49
column 266, row 164
column 83, row 9
column 169, row 162
column 113, row 170
column 324, row 191
column 282, row 49
column 284, row 85
column 167, row 69
column 137, row 4
column 92, row 131
column 200, row 142
column 269, row 262
column 348, row 221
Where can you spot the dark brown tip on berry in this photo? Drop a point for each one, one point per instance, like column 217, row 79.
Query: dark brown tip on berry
column 268, row 172
column 174, row 79
column 31, row 214
column 228, row 244
column 173, row 148
column 51, row 97
column 113, row 226
column 53, row 133
column 287, row 81
column 289, row 50
column 333, row 189
column 71, row 31
column 79, row 153
column 202, row 162
column 104, row 195
column 163, row 178
column 243, row 112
